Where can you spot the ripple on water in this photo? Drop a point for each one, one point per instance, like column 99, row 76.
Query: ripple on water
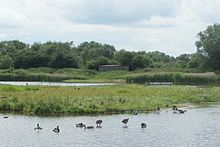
column 197, row 127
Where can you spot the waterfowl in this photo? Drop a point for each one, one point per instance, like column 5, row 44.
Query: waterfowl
column 80, row 125
column 98, row 123
column 181, row 111
column 38, row 127
column 143, row 125
column 88, row 127
column 175, row 108
column 5, row 117
column 125, row 121
column 135, row 112
column 57, row 129
column 158, row 108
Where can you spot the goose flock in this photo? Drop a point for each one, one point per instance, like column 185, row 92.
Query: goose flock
column 124, row 121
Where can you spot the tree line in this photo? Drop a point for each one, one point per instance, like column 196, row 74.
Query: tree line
column 17, row 54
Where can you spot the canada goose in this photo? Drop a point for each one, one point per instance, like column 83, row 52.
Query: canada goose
column 135, row 112
column 98, row 123
column 80, row 125
column 57, row 129
column 38, row 127
column 158, row 108
column 181, row 111
column 88, row 127
column 143, row 125
column 175, row 108
column 125, row 121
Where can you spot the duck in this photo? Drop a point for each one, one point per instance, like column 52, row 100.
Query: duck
column 143, row 125
column 125, row 121
column 5, row 117
column 79, row 125
column 98, row 123
column 38, row 127
column 57, row 129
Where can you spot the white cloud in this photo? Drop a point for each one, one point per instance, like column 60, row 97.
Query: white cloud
column 169, row 26
column 9, row 18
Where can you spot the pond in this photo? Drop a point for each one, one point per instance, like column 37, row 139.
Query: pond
column 196, row 127
column 52, row 83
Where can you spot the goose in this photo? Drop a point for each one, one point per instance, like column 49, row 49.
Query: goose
column 135, row 112
column 158, row 108
column 143, row 125
column 175, row 108
column 80, row 125
column 98, row 123
column 88, row 127
column 181, row 111
column 57, row 129
column 38, row 127
column 125, row 121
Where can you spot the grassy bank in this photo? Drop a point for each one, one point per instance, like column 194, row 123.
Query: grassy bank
column 62, row 75
column 177, row 76
column 107, row 99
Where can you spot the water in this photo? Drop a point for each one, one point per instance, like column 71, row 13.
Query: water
column 197, row 127
column 52, row 83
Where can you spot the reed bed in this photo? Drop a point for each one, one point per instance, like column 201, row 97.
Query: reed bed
column 175, row 77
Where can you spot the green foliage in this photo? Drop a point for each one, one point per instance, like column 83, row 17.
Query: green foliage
column 208, row 46
column 6, row 62
column 16, row 54
column 176, row 78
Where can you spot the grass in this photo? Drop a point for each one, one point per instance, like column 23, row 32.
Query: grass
column 177, row 78
column 91, row 76
column 59, row 75
column 107, row 99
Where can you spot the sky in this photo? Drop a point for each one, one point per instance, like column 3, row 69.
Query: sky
column 169, row 26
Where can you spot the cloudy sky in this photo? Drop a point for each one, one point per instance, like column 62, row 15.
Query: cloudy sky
column 169, row 26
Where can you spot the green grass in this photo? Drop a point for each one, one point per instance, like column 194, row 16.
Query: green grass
column 108, row 99
column 91, row 76
column 177, row 78
column 59, row 75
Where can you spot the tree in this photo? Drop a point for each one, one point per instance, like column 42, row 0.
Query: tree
column 124, row 57
column 5, row 62
column 208, row 45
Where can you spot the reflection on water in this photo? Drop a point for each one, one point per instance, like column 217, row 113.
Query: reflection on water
column 52, row 83
column 197, row 127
